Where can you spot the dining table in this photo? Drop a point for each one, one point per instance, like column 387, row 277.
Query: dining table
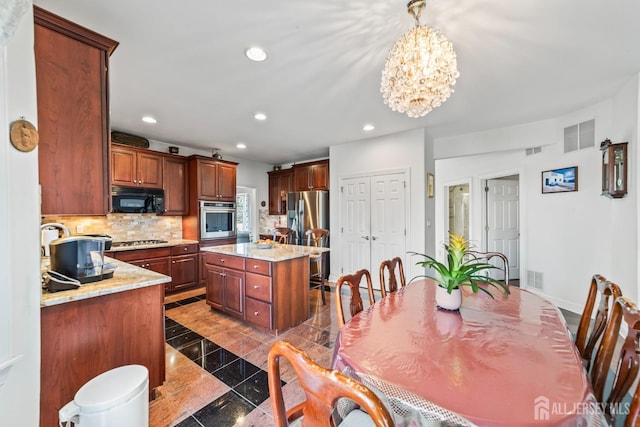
column 502, row 361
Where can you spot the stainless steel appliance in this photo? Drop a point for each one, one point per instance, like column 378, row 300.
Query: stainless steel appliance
column 80, row 258
column 307, row 210
column 137, row 200
column 217, row 220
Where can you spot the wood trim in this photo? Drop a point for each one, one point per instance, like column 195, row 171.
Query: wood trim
column 70, row 29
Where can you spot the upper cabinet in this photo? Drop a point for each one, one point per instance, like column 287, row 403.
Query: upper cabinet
column 72, row 65
column 215, row 180
column 136, row 168
column 175, row 186
column 280, row 183
column 311, row 176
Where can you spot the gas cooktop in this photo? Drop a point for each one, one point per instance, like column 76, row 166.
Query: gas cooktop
column 137, row 243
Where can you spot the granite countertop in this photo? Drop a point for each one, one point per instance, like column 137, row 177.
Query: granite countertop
column 125, row 277
column 175, row 242
column 278, row 252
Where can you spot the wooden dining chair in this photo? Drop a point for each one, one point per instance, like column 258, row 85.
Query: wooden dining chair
column 389, row 268
column 322, row 388
column 586, row 341
column 627, row 367
column 355, row 304
column 488, row 256
column 318, row 237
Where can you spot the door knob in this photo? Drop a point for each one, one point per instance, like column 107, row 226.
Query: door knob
column 365, row 237
column 374, row 238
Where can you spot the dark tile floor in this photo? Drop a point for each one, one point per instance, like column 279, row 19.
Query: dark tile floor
column 216, row 365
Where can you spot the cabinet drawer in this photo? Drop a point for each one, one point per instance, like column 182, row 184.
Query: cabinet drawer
column 228, row 261
column 137, row 254
column 258, row 313
column 259, row 266
column 258, row 286
column 184, row 249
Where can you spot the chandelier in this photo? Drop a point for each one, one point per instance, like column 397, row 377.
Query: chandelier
column 421, row 69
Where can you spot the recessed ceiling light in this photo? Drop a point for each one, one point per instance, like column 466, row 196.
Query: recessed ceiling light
column 241, row 146
column 149, row 119
column 260, row 116
column 256, row 54
column 368, row 127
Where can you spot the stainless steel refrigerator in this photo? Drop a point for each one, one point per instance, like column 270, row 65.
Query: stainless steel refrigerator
column 307, row 210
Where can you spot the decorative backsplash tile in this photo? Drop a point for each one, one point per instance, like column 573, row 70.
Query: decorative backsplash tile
column 123, row 227
column 267, row 222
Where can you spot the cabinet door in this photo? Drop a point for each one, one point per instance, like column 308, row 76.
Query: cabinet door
column 234, row 293
column 175, row 186
column 319, row 177
column 149, row 170
column 184, row 271
column 208, row 180
column 301, row 178
column 123, row 167
column 226, row 182
column 215, row 286
column 72, row 85
column 274, row 194
column 203, row 269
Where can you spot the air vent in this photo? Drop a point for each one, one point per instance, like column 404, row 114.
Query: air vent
column 534, row 150
column 580, row 136
column 534, row 279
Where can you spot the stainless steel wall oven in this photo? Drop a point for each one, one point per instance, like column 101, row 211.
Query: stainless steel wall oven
column 217, row 220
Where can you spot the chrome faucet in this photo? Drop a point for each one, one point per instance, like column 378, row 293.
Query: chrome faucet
column 62, row 227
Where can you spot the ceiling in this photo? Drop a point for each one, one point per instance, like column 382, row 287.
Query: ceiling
column 183, row 63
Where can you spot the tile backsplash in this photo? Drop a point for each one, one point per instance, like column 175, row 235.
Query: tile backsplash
column 267, row 222
column 123, row 227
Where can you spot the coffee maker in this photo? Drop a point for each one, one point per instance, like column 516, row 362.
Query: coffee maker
column 80, row 257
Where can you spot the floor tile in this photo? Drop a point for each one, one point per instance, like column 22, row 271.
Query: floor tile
column 224, row 411
column 216, row 360
column 184, row 340
column 255, row 388
column 199, row 349
column 189, row 300
column 236, row 372
column 189, row 422
column 171, row 305
column 175, row 330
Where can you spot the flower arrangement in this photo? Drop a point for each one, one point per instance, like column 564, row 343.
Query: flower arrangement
column 459, row 272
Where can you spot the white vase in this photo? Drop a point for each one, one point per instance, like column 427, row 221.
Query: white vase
column 448, row 301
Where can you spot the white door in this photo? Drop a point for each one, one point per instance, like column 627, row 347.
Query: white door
column 503, row 228
column 373, row 222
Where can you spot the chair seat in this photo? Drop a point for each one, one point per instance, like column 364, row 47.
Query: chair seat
column 357, row 418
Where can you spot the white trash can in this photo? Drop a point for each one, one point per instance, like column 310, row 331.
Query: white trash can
column 119, row 397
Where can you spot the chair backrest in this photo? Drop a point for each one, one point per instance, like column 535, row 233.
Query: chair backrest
column 282, row 234
column 317, row 237
column 627, row 365
column 322, row 388
column 488, row 256
column 585, row 341
column 390, row 266
column 355, row 304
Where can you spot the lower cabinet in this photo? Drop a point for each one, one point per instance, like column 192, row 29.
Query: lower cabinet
column 180, row 262
column 273, row 296
column 225, row 283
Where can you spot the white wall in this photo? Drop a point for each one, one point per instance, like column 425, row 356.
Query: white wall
column 376, row 155
column 19, row 227
column 568, row 236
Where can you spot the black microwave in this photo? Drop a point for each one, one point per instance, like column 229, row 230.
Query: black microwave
column 136, row 200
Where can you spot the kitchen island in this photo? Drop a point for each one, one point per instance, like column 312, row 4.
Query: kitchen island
column 266, row 287
column 98, row 327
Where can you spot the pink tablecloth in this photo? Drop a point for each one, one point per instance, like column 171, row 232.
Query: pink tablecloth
column 502, row 362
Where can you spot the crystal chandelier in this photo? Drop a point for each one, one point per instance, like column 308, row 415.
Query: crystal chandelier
column 421, row 69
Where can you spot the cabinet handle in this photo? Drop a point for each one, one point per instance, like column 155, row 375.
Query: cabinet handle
column 256, row 266
column 256, row 287
column 255, row 313
column 173, row 262
column 221, row 259
column 186, row 249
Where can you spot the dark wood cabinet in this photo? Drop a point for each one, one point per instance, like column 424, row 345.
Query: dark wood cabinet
column 225, row 283
column 136, row 168
column 311, row 176
column 175, row 185
column 155, row 259
column 280, row 183
column 82, row 339
column 215, row 179
column 72, row 66
column 184, row 266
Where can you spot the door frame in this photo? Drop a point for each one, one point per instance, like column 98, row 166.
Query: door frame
column 445, row 212
column 337, row 235
column 522, row 214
